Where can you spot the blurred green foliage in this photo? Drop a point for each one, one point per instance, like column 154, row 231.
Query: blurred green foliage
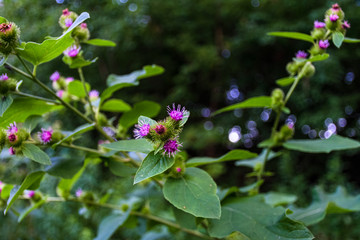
column 207, row 48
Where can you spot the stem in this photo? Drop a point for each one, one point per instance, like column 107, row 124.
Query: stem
column 34, row 97
column 134, row 213
column 86, row 93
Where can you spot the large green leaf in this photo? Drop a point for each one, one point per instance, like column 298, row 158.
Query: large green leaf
column 153, row 165
column 35, row 153
column 351, row 40
column 293, row 35
column 257, row 160
column 256, row 220
column 5, row 103
column 283, row 82
column 194, row 193
column 337, row 38
column 30, row 180
column 230, row 156
column 101, row 42
column 337, row 202
column 115, row 105
column 51, row 48
column 134, row 145
column 144, row 108
column 76, row 88
column 255, row 102
column 109, row 224
column 116, row 82
column 79, row 130
column 22, row 108
column 334, row 143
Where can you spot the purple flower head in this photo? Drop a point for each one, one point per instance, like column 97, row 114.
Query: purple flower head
column 5, row 27
column 11, row 151
column 336, row 7
column 333, row 17
column 171, row 147
column 345, row 25
column 178, row 169
column 12, row 128
column 301, row 54
column 4, row 77
column 55, row 76
column 11, row 132
column 93, row 95
column 60, row 93
column 160, row 129
column 79, row 192
column 72, row 51
column 324, row 44
column 318, row 24
column 66, row 12
column 45, row 135
column 142, row 130
column 69, row 79
column 176, row 113
column 29, row 193
column 83, row 25
column 68, row 22
column 1, row 186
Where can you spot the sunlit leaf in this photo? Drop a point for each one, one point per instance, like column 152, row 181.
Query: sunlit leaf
column 134, row 145
column 293, row 35
column 35, row 153
column 337, row 38
column 101, row 42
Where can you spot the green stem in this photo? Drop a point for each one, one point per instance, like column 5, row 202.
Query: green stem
column 82, row 78
column 134, row 213
column 35, row 97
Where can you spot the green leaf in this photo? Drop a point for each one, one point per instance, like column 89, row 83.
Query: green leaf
column 283, row 82
column 334, row 143
column 293, row 35
column 337, row 38
column 30, row 209
column 184, row 219
column 121, row 169
column 5, row 103
column 116, row 82
column 101, row 42
column 31, row 179
column 79, row 130
column 153, row 165
column 115, row 105
column 109, row 224
column 3, row 20
column 32, row 121
column 133, row 145
column 6, row 190
column 337, row 202
column 230, row 156
column 275, row 199
column 351, row 40
column 194, row 193
column 35, row 153
column 76, row 88
column 51, row 48
column 259, row 159
column 255, row 102
column 320, row 57
column 256, row 221
column 22, row 108
column 64, row 167
column 185, row 118
column 77, row 62
column 144, row 108
column 3, row 60
column 146, row 120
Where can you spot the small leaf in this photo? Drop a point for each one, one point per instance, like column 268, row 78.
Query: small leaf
column 146, row 120
column 320, row 57
column 5, row 103
column 26, row 184
column 255, row 102
column 35, row 153
column 101, row 42
column 293, row 35
column 30, row 209
column 337, row 38
column 230, row 156
column 334, row 143
column 153, row 165
column 351, row 40
column 286, row 81
column 185, row 118
column 109, row 224
column 257, row 221
column 79, row 130
column 194, row 193
column 134, row 145
column 5, row 191
column 121, row 169
column 76, row 88
column 275, row 199
column 77, row 62
column 3, row 20
column 145, row 108
column 115, row 105
column 259, row 159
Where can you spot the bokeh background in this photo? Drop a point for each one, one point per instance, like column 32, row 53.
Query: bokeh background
column 215, row 53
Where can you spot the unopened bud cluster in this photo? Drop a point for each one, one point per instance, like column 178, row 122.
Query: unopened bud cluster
column 9, row 37
column 164, row 134
column 286, row 132
column 81, row 33
column 13, row 138
column 7, row 84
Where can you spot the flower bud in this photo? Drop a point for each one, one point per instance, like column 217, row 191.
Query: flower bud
column 308, row 70
column 318, row 33
column 277, row 101
column 335, row 10
column 292, row 68
column 7, row 84
column 332, row 22
column 67, row 19
column 9, row 37
column 81, row 33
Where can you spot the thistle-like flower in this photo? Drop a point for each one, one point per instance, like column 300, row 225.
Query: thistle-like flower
column 68, row 22
column 79, row 192
column 55, row 76
column 345, row 25
column 171, row 147
column 72, row 51
column 11, row 151
column 60, row 93
column 93, row 95
column 141, row 130
column 176, row 113
column 333, row 17
column 45, row 135
column 1, row 186
column 301, row 54
column 11, row 132
column 318, row 24
column 324, row 44
column 29, row 193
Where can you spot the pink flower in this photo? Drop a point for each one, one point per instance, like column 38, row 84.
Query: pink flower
column 333, row 17
column 1, row 186
column 4, row 77
column 12, row 128
column 79, row 192
column 60, row 93
column 11, row 151
column 171, row 147
column 5, row 27
column 55, row 76
column 68, row 22
column 345, row 25
column 141, row 130
column 318, row 24
column 324, row 44
column 301, row 54
column 45, row 135
column 178, row 169
column 66, row 12
column 83, row 25
column 176, row 113
column 11, row 133
column 72, row 51
column 69, row 79
column 29, row 193
column 335, row 7
column 160, row 129
column 93, row 95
